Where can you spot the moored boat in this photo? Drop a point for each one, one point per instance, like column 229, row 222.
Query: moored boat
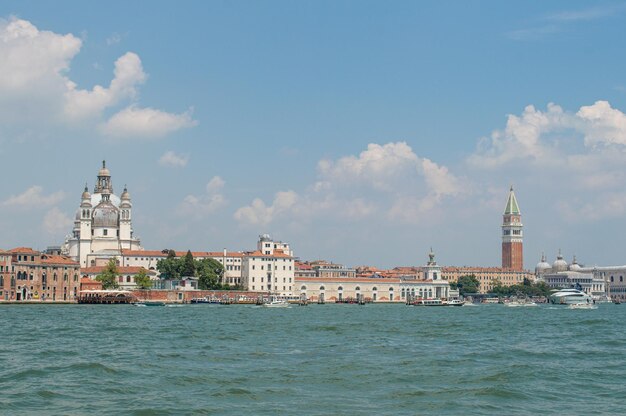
column 570, row 296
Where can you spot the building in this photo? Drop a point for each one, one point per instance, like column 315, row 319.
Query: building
column 488, row 277
column 125, row 278
column 102, row 226
column 270, row 268
column 512, row 235
column 231, row 260
column 28, row 274
column 599, row 282
column 376, row 287
column 323, row 268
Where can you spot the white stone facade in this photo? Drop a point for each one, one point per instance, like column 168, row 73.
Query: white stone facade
column 102, row 226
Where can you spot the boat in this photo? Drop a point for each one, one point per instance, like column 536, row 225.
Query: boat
column 455, row 302
column 520, row 301
column 491, row 300
column 200, row 300
column 276, row 303
column 428, row 302
column 582, row 306
column 570, row 296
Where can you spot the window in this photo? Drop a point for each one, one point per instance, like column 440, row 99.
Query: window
column 322, row 288
column 303, row 287
column 105, row 232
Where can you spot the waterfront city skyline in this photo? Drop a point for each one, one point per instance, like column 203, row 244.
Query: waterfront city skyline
column 361, row 133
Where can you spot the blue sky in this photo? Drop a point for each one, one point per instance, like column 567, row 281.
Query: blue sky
column 360, row 132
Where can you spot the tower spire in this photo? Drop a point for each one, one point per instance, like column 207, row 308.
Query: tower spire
column 512, row 234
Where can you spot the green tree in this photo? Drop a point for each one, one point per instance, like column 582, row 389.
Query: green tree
column 210, row 273
column 188, row 266
column 142, row 280
column 169, row 266
column 467, row 284
column 108, row 277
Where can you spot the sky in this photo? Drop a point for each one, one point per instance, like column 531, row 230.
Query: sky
column 361, row 132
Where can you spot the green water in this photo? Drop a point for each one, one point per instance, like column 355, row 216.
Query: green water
column 314, row 360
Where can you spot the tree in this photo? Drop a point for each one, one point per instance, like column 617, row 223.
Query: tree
column 169, row 266
column 210, row 273
column 467, row 284
column 188, row 266
column 142, row 280
column 108, row 277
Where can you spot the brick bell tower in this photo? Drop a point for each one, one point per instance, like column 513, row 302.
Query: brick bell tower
column 512, row 235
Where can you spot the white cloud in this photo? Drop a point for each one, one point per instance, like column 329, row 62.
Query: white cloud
column 33, row 198
column 258, row 213
column 199, row 206
column 35, row 89
column 357, row 187
column 172, row 159
column 377, row 165
column 128, row 74
column 56, row 222
column 603, row 124
column 215, row 184
column 145, row 122
column 547, row 138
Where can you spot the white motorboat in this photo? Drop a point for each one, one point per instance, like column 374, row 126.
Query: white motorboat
column 517, row 302
column 276, row 303
column 570, row 296
column 455, row 302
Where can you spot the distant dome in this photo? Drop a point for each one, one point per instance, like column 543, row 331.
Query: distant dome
column 574, row 267
column 86, row 194
column 103, row 170
column 105, row 215
column 543, row 266
column 125, row 194
column 559, row 264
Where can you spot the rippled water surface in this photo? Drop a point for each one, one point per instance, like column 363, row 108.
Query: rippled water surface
column 315, row 360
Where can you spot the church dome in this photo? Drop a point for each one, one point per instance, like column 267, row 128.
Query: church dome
column 574, row 267
column 543, row 266
column 86, row 194
column 105, row 215
column 559, row 264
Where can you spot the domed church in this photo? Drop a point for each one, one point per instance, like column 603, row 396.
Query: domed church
column 102, row 227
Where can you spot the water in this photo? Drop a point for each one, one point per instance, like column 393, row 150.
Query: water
column 315, row 360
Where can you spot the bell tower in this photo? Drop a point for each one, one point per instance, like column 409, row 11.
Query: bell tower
column 512, row 235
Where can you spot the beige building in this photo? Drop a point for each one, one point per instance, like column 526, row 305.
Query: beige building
column 377, row 288
column 488, row 277
column 28, row 274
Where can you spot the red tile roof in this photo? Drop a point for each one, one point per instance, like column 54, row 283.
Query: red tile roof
column 158, row 253
column 54, row 259
column 120, row 270
column 23, row 250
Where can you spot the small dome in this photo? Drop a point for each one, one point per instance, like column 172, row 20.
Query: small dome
column 559, row 264
column 105, row 215
column 574, row 267
column 543, row 266
column 103, row 170
column 86, row 194
column 125, row 195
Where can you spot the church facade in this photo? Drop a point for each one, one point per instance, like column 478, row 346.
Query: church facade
column 102, row 226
